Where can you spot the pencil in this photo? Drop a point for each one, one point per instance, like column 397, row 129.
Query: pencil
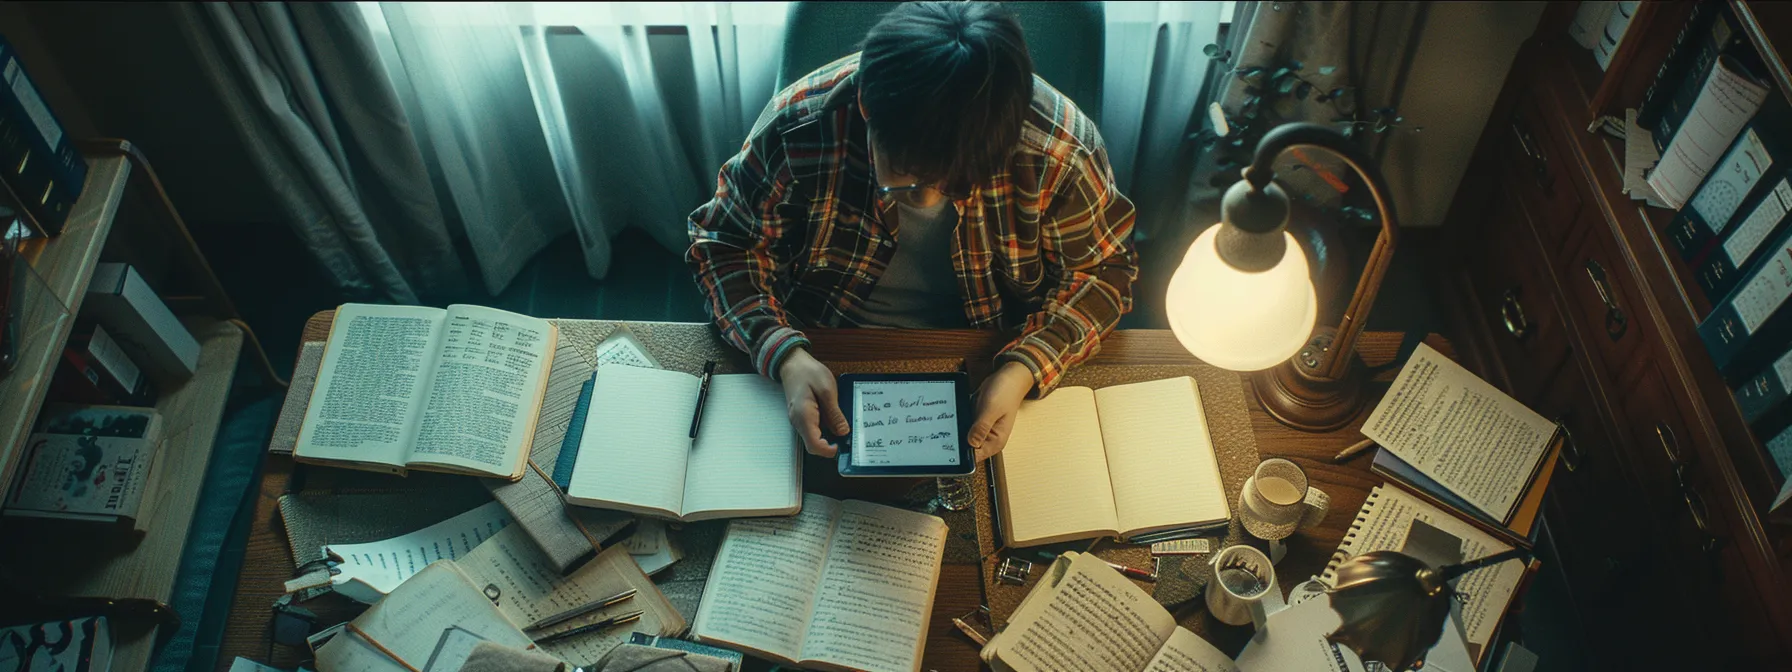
column 1352, row 451
column 600, row 625
column 581, row 610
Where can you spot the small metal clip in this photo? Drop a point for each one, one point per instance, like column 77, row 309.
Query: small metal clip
column 1014, row 571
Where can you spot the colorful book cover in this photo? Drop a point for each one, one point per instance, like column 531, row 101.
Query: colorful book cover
column 80, row 645
column 82, row 477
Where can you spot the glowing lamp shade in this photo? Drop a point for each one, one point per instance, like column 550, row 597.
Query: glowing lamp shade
column 1239, row 320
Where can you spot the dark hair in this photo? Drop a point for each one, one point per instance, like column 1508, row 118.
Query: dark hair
column 945, row 86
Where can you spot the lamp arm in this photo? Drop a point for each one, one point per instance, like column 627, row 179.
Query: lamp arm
column 1336, row 361
column 1454, row 571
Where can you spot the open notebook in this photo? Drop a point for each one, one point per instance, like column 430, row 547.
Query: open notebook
column 1118, row 461
column 636, row 453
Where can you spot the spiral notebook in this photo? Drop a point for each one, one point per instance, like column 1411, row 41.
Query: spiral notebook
column 1383, row 524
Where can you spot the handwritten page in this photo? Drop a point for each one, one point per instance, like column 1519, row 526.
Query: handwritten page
column 1093, row 619
column 876, row 592
column 762, row 586
column 409, row 623
column 1725, row 104
column 378, row 567
column 485, row 390
column 629, row 453
column 1760, row 223
column 649, row 537
column 1461, row 431
column 1160, row 455
column 1187, row 652
column 746, row 460
column 1383, row 525
column 623, row 348
column 1054, row 472
column 1730, row 182
column 905, row 423
column 530, row 589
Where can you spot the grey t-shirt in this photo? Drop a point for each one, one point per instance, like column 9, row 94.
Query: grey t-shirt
column 919, row 289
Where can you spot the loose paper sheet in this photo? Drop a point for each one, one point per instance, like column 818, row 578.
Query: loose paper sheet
column 373, row 569
column 622, row 348
column 1294, row 639
column 905, row 423
column 1461, row 431
column 1639, row 158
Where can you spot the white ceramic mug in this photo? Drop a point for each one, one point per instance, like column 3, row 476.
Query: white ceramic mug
column 1277, row 501
column 1243, row 588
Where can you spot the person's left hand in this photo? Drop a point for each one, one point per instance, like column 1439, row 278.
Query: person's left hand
column 998, row 401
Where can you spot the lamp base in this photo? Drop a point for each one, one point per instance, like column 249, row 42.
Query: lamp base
column 1298, row 397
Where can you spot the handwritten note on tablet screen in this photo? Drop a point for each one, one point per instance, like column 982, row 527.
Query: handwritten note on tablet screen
column 904, row 423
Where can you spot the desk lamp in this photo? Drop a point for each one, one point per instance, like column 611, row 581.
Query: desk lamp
column 1243, row 298
column 1392, row 605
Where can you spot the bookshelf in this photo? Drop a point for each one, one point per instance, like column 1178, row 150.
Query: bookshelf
column 114, row 222
column 1675, row 488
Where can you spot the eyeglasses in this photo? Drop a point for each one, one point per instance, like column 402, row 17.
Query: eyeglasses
column 892, row 191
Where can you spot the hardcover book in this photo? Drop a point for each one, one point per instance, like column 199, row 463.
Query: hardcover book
column 89, row 463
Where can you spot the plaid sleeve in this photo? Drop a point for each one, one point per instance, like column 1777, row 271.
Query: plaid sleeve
column 1086, row 235
column 738, row 243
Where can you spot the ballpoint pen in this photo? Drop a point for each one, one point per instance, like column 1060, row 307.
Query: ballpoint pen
column 610, row 622
column 709, row 371
column 581, row 610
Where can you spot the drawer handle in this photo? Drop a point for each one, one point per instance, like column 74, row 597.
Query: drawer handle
column 1616, row 323
column 1534, row 151
column 1571, row 452
column 1695, row 502
column 1512, row 312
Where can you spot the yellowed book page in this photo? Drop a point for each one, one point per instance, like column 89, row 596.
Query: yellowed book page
column 1053, row 474
column 1187, row 652
column 530, row 589
column 410, row 622
column 1094, row 619
column 1383, row 524
column 745, row 460
column 1160, row 455
column 637, row 439
column 368, row 396
column 1461, row 431
column 762, row 587
column 876, row 593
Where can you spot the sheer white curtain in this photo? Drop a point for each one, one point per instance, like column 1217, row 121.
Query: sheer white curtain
column 540, row 118
column 1153, row 73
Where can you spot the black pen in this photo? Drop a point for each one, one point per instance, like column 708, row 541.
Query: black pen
column 581, row 610
column 709, row 370
column 610, row 622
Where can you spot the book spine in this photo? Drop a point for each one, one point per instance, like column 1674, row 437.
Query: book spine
column 1750, row 324
column 43, row 168
column 1673, row 66
column 1766, row 390
column 1689, row 234
column 1738, row 252
column 1712, row 43
column 1613, row 34
column 575, row 431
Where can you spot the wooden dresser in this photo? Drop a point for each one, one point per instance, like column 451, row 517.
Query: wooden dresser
column 1562, row 291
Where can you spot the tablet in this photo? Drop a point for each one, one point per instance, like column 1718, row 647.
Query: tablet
column 906, row 424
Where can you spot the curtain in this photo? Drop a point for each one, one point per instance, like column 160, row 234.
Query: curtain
column 1153, row 74
column 545, row 118
column 329, row 137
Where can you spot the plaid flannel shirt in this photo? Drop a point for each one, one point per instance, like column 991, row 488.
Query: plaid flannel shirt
column 797, row 234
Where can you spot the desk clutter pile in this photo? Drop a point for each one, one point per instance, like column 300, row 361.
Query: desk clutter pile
column 727, row 559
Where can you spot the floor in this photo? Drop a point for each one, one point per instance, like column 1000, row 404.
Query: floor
column 648, row 282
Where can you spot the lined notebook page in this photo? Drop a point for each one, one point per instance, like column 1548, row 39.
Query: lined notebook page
column 1160, row 456
column 746, row 456
column 1054, row 474
column 636, row 438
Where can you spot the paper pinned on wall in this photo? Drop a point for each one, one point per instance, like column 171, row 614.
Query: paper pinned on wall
column 371, row 570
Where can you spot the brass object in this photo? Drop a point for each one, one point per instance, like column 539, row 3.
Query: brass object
column 1393, row 606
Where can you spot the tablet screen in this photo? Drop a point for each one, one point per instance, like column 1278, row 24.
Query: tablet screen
column 905, row 423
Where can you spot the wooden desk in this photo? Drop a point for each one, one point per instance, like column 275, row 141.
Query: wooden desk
column 268, row 563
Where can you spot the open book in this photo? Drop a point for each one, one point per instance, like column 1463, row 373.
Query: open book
column 412, row 387
column 847, row 585
column 406, row 631
column 1118, row 461
column 1083, row 615
column 636, row 452
column 1461, row 442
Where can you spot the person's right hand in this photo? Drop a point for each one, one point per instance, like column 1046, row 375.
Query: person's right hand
column 811, row 398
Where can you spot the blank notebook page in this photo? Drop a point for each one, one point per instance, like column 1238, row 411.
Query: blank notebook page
column 636, row 438
column 1160, row 455
column 746, row 455
column 1053, row 471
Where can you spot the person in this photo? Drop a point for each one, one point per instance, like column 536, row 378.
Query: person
column 929, row 181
